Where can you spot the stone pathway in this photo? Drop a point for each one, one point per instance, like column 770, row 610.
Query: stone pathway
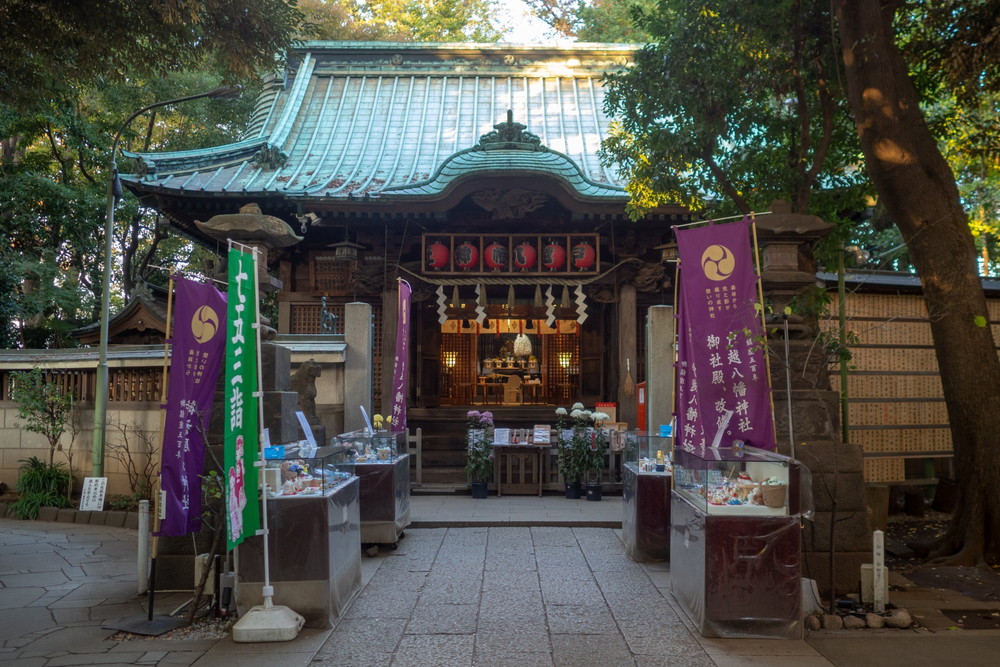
column 517, row 596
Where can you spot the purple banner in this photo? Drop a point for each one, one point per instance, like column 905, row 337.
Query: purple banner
column 690, row 431
column 721, row 342
column 401, row 364
column 195, row 360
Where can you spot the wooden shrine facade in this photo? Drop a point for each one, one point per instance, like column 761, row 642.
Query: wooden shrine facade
column 471, row 171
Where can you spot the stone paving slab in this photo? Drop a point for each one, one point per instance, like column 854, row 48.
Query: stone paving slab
column 494, row 595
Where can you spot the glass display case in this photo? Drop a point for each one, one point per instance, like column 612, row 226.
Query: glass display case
column 648, row 453
column 368, row 447
column 646, row 477
column 735, row 547
column 297, row 470
column 382, row 466
column 314, row 549
column 737, row 481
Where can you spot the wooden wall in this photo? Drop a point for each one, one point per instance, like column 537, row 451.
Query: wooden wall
column 896, row 407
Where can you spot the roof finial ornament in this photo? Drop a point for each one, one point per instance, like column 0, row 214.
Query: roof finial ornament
column 510, row 136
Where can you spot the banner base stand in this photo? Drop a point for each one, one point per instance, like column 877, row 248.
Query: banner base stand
column 268, row 624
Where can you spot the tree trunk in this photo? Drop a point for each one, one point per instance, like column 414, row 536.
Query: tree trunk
column 918, row 189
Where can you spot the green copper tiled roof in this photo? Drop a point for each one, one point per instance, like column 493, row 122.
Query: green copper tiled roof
column 403, row 120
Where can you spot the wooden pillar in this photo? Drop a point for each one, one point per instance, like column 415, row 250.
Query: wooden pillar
column 626, row 353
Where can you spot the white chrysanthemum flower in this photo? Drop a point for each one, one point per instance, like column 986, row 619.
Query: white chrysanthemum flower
column 561, row 412
column 577, row 414
column 578, row 406
column 600, row 417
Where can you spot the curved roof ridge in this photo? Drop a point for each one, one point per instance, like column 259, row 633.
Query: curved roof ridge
column 476, row 160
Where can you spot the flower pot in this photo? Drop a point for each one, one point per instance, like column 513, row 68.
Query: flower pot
column 594, row 492
column 573, row 490
column 479, row 490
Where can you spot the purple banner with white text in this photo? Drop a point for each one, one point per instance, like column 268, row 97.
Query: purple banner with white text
column 196, row 357
column 721, row 341
column 401, row 364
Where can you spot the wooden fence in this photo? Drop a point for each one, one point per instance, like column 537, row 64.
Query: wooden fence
column 895, row 401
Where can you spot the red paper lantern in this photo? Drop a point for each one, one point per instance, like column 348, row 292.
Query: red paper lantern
column 553, row 256
column 495, row 256
column 583, row 255
column 437, row 256
column 525, row 256
column 466, row 256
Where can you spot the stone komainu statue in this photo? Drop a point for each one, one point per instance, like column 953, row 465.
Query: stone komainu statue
column 304, row 384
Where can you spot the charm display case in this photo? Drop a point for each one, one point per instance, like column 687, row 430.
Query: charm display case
column 734, row 549
column 297, row 471
column 384, row 478
column 646, row 478
column 314, row 552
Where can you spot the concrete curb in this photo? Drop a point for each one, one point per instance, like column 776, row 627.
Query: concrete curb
column 114, row 518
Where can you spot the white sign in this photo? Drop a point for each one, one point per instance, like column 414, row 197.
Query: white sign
column 501, row 436
column 878, row 572
column 92, row 496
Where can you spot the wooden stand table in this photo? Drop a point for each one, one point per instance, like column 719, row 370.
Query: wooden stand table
column 518, row 468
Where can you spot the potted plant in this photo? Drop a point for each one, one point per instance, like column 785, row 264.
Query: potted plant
column 479, row 464
column 595, row 448
column 570, row 453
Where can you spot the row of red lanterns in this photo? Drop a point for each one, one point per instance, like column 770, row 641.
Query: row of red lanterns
column 525, row 256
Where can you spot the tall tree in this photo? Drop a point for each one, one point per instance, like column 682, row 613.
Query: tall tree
column 595, row 20
column 729, row 110
column 918, row 189
column 50, row 47
column 700, row 116
column 399, row 20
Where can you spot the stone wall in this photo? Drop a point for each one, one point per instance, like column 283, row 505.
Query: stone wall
column 16, row 443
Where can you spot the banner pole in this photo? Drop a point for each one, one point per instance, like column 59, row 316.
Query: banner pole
column 156, row 491
column 763, row 325
column 268, row 591
column 266, row 622
column 677, row 313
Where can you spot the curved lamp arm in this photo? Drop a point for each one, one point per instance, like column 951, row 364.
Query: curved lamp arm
column 114, row 194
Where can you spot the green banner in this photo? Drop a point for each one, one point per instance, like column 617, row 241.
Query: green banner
column 241, row 432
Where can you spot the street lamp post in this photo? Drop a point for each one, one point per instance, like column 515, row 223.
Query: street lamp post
column 114, row 190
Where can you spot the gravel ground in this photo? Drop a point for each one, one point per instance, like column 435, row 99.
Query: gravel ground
column 209, row 628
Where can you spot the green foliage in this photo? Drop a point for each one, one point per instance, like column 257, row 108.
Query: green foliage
column 45, row 407
column 8, row 302
column 50, row 49
column 749, row 112
column 403, row 20
column 40, row 484
column 124, row 502
column 595, row 20
column 479, row 452
column 570, row 457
